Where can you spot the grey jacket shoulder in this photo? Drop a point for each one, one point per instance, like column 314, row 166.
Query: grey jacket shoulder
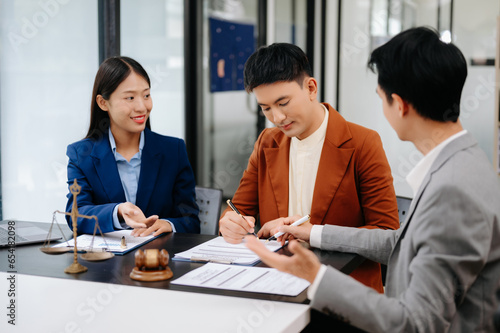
column 463, row 165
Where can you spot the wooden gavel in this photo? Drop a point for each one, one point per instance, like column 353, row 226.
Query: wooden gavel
column 151, row 259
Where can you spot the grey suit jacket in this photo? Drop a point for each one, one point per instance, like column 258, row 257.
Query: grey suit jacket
column 443, row 263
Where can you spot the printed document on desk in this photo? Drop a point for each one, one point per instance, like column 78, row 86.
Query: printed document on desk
column 219, row 251
column 252, row 279
column 111, row 242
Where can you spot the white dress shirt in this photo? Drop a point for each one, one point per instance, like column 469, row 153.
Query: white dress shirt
column 418, row 173
column 304, row 161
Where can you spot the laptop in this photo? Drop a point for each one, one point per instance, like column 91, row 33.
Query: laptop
column 15, row 233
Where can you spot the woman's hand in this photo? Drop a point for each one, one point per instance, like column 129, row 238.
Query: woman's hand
column 133, row 216
column 157, row 228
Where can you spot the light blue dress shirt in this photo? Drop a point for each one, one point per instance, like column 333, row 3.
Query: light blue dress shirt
column 129, row 175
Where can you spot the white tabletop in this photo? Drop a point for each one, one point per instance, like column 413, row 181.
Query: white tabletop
column 61, row 305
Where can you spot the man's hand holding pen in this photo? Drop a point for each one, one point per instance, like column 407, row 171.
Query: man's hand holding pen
column 271, row 227
column 234, row 227
column 283, row 224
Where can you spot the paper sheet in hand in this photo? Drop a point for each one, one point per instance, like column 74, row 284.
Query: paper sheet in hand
column 220, row 251
column 251, row 279
column 113, row 240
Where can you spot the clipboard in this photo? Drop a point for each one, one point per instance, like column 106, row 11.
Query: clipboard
column 111, row 242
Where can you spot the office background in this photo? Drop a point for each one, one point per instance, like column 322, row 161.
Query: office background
column 50, row 51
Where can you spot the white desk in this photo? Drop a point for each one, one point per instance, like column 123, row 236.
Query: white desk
column 45, row 304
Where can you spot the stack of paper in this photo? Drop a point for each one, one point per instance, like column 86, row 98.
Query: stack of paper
column 219, row 251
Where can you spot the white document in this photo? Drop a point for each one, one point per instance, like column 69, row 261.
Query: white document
column 219, row 251
column 241, row 278
column 111, row 242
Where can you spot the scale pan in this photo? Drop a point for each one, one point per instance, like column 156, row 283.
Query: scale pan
column 97, row 256
column 56, row 250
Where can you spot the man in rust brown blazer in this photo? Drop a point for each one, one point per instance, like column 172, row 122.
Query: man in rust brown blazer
column 313, row 162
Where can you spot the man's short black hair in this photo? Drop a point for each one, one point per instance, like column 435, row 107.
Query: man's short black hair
column 274, row 63
column 424, row 71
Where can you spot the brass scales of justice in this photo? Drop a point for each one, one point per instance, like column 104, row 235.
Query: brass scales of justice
column 90, row 255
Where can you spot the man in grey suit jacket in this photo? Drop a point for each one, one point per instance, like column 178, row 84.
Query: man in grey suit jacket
column 444, row 261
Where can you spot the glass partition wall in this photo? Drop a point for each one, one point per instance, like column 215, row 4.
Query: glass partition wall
column 49, row 56
column 153, row 35
column 367, row 24
column 229, row 113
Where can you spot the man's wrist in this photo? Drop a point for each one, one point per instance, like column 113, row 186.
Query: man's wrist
column 315, row 236
column 311, row 291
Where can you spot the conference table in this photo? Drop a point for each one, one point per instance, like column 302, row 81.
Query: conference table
column 106, row 299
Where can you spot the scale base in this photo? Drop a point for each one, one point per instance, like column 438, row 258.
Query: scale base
column 75, row 268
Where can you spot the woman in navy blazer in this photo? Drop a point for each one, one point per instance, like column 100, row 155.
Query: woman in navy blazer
column 130, row 176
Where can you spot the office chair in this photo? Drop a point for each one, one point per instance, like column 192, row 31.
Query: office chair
column 209, row 201
column 403, row 208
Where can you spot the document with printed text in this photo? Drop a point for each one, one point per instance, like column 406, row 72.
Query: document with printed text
column 219, row 251
column 241, row 278
column 110, row 242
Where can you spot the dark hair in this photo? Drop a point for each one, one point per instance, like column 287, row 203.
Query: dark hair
column 276, row 62
column 424, row 71
column 110, row 74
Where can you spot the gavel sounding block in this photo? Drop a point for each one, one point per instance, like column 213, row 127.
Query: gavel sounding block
column 151, row 265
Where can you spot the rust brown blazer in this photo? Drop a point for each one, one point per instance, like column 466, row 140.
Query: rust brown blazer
column 354, row 185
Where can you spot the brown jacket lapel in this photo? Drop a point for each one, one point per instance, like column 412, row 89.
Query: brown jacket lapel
column 332, row 165
column 278, row 162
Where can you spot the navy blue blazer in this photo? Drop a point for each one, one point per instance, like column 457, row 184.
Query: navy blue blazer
column 166, row 183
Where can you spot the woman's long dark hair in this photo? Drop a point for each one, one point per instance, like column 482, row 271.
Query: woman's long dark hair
column 111, row 73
